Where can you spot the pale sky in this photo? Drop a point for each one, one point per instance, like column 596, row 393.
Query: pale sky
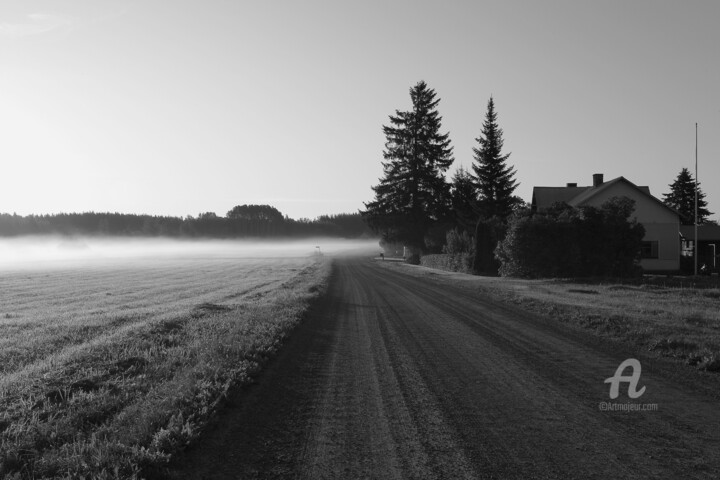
column 180, row 107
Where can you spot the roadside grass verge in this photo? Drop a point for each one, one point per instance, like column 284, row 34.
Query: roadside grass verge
column 672, row 317
column 117, row 399
column 669, row 321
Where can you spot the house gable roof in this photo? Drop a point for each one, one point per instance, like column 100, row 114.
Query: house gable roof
column 594, row 191
column 543, row 197
column 578, row 196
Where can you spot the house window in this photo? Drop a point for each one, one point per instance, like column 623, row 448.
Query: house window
column 649, row 249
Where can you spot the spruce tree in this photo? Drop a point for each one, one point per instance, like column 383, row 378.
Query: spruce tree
column 464, row 200
column 413, row 194
column 494, row 177
column 682, row 199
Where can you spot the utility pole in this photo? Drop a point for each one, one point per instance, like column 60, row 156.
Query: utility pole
column 696, row 200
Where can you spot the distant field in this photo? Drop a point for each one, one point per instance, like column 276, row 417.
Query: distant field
column 108, row 367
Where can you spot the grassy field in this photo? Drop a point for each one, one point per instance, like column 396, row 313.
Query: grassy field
column 107, row 369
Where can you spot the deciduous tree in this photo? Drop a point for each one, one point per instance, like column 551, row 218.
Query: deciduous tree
column 262, row 213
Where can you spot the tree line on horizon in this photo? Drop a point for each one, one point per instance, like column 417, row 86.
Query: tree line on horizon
column 241, row 221
column 477, row 215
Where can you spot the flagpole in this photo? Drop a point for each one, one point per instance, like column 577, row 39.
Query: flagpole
column 696, row 199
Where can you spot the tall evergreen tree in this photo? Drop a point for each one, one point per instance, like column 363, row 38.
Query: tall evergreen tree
column 494, row 177
column 413, row 194
column 464, row 199
column 682, row 199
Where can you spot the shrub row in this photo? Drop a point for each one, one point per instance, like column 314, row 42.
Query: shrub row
column 459, row 262
column 563, row 241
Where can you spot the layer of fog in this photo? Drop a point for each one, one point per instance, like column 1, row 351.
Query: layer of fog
column 47, row 252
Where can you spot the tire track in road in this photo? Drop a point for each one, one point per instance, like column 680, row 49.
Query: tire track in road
column 393, row 376
column 351, row 432
column 560, row 379
column 368, row 425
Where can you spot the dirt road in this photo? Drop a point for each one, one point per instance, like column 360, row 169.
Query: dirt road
column 398, row 376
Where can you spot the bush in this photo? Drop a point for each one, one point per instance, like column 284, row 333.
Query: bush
column 413, row 259
column 435, row 238
column 457, row 243
column 563, row 241
column 460, row 262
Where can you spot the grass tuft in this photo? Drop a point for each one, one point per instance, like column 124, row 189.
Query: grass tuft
column 678, row 347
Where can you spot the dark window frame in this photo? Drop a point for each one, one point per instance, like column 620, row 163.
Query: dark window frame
column 649, row 250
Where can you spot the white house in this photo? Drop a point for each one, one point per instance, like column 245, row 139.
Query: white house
column 660, row 248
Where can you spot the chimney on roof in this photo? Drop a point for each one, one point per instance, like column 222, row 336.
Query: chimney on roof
column 597, row 179
column 571, row 185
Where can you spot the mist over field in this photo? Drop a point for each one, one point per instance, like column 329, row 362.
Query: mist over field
column 121, row 340
column 48, row 252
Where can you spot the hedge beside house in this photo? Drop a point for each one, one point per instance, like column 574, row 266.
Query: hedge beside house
column 563, row 241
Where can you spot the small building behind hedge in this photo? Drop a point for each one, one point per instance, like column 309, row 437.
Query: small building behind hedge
column 660, row 246
column 708, row 240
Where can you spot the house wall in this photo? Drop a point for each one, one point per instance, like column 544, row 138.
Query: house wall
column 667, row 236
column 661, row 225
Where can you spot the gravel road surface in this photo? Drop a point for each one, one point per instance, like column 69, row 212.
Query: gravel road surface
column 399, row 375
